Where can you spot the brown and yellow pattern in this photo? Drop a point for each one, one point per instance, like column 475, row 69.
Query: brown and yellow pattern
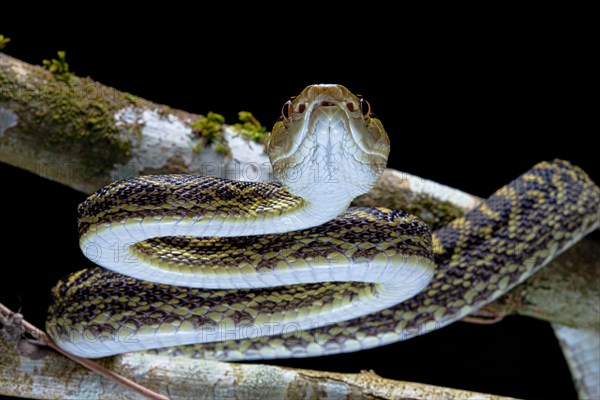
column 377, row 257
column 184, row 196
column 480, row 256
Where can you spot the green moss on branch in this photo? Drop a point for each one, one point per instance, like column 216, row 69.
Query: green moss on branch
column 211, row 130
column 3, row 41
column 74, row 116
column 59, row 67
column 250, row 128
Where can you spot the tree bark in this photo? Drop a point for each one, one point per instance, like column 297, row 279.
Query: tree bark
column 28, row 370
column 581, row 348
column 85, row 135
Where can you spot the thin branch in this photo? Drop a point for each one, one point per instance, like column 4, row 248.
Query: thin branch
column 41, row 336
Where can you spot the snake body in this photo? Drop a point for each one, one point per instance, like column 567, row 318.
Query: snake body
column 245, row 270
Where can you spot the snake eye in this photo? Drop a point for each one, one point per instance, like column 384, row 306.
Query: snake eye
column 362, row 108
column 286, row 110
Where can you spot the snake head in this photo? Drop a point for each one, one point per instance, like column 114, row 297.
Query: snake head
column 328, row 144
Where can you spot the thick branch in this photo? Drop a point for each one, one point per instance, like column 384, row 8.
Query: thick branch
column 181, row 378
column 85, row 135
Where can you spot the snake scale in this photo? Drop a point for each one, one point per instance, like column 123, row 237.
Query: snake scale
column 235, row 270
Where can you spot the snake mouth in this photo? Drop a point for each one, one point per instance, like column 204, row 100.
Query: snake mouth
column 326, row 103
column 315, row 121
column 331, row 108
column 328, row 124
column 332, row 121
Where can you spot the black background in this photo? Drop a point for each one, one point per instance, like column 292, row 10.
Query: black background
column 470, row 98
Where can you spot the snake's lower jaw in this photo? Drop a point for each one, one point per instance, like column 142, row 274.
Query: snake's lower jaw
column 330, row 175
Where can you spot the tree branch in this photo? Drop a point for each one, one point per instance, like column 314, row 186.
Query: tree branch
column 85, row 135
column 56, row 376
column 581, row 348
column 14, row 327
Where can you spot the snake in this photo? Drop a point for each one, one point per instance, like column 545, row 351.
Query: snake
column 224, row 269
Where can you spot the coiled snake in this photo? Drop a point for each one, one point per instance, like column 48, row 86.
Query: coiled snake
column 284, row 269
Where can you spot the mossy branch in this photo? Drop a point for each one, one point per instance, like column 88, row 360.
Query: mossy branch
column 85, row 135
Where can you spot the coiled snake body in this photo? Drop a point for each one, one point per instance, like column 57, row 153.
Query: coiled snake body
column 243, row 270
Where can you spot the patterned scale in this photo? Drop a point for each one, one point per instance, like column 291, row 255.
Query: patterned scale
column 478, row 257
